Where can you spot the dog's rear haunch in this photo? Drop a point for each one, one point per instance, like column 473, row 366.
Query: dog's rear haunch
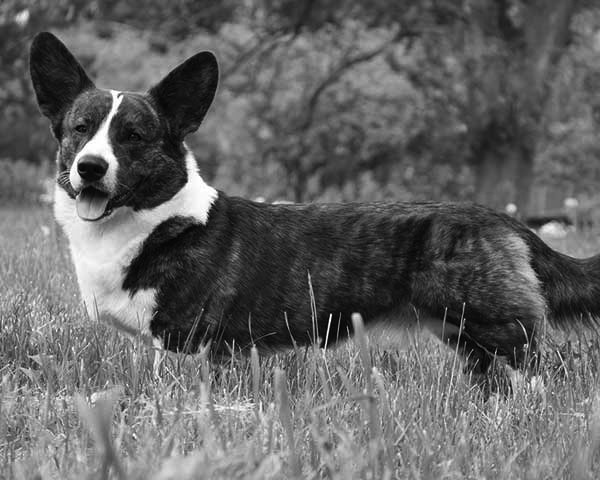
column 160, row 252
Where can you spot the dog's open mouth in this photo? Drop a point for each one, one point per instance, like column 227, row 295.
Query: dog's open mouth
column 92, row 204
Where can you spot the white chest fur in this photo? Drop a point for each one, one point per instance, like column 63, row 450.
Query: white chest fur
column 103, row 250
column 101, row 254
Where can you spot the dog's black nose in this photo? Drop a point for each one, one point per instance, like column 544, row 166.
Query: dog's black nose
column 91, row 168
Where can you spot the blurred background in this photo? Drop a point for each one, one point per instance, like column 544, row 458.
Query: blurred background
column 496, row 101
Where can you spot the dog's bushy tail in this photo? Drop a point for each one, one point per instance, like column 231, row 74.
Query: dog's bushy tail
column 571, row 286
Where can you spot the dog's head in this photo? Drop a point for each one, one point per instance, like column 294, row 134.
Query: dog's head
column 119, row 149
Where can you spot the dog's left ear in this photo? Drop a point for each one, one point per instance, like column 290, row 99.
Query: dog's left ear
column 185, row 94
column 57, row 77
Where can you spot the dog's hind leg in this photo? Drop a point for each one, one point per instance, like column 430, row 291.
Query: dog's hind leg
column 514, row 341
column 478, row 359
column 451, row 332
column 516, row 344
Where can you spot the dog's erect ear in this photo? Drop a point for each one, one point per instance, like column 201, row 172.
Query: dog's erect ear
column 57, row 77
column 185, row 94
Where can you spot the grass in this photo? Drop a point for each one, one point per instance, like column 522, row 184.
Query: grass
column 23, row 182
column 78, row 399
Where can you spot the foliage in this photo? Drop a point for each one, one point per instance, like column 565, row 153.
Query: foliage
column 177, row 20
column 340, row 101
column 23, row 183
column 569, row 158
column 23, row 134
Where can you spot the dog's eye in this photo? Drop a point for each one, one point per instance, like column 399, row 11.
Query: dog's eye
column 134, row 137
column 81, row 128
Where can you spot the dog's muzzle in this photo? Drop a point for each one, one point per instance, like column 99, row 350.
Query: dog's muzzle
column 92, row 200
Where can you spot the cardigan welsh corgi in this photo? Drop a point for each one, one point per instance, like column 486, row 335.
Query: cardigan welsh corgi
column 161, row 253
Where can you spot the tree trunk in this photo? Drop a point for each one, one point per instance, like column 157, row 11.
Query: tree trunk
column 523, row 175
column 490, row 189
column 504, row 174
column 505, row 150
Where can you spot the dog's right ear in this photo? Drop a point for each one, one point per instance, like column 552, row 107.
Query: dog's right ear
column 186, row 93
column 57, row 77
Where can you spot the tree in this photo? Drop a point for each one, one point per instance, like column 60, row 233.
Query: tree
column 534, row 35
column 485, row 70
column 23, row 134
column 337, row 99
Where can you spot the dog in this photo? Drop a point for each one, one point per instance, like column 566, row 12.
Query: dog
column 160, row 253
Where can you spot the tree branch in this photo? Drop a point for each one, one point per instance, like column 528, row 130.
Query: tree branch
column 334, row 76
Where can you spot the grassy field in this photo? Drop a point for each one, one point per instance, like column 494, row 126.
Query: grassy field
column 344, row 413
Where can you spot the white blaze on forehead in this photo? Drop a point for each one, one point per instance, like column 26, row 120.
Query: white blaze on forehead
column 100, row 146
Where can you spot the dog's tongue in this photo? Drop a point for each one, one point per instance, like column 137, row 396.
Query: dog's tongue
column 91, row 204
